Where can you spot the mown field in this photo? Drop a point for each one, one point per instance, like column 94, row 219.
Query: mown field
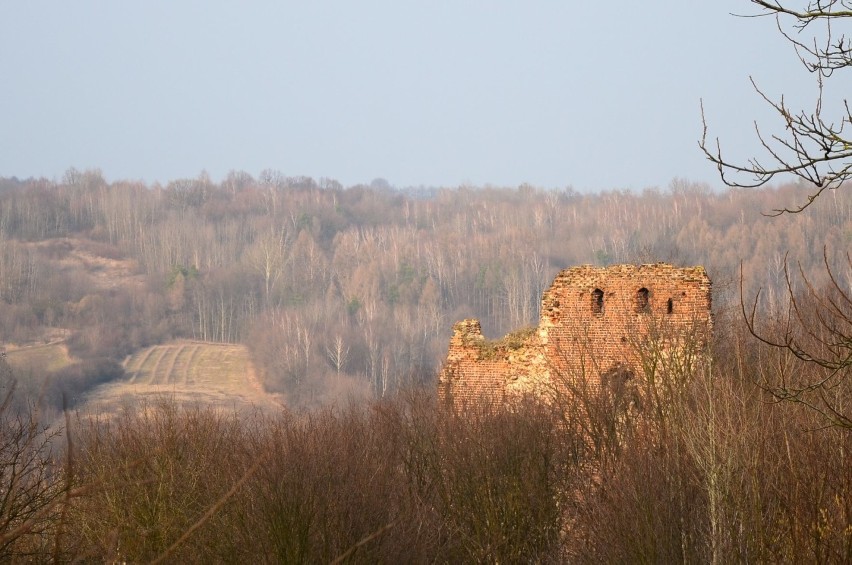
column 39, row 358
column 186, row 372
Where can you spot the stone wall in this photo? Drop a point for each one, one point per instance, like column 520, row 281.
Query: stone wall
column 594, row 321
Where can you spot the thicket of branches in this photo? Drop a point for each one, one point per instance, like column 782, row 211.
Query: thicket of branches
column 695, row 464
column 814, row 147
column 813, row 144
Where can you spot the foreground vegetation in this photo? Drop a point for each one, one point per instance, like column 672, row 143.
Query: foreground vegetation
column 355, row 291
column 702, row 466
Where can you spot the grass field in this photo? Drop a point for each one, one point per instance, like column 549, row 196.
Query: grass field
column 186, row 372
column 39, row 358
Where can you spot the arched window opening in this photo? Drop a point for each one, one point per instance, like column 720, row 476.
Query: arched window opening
column 669, row 306
column 642, row 301
column 597, row 301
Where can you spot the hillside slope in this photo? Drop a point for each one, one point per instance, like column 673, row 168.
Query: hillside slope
column 191, row 372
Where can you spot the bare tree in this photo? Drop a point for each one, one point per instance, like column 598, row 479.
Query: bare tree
column 32, row 486
column 814, row 342
column 338, row 354
column 268, row 256
column 815, row 146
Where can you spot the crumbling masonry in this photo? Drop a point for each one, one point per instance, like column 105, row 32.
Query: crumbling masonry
column 595, row 323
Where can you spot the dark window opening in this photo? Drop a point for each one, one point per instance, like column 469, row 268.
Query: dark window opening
column 597, row 301
column 642, row 300
column 669, row 306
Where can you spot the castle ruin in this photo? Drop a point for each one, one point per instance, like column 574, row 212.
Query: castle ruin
column 596, row 322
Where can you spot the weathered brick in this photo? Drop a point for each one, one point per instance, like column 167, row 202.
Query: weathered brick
column 593, row 320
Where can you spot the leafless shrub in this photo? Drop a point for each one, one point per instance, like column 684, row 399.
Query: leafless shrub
column 158, row 469
column 33, row 485
column 811, row 345
column 718, row 473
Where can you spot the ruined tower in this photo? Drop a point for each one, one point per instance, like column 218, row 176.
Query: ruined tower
column 595, row 322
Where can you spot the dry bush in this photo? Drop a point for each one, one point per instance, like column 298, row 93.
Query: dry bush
column 717, row 472
column 156, row 470
column 32, row 489
column 809, row 341
column 639, row 498
column 330, row 482
column 715, row 469
column 400, row 481
column 33, row 484
column 500, row 481
column 396, row 481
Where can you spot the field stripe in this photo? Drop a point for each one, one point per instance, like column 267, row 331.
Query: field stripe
column 139, row 363
column 169, row 377
column 152, row 377
column 190, row 365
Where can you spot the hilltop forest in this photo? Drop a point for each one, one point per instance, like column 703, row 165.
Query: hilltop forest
column 359, row 284
column 350, row 295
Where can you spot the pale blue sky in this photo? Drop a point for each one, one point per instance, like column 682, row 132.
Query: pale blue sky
column 555, row 93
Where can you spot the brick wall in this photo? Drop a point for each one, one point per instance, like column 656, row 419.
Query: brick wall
column 594, row 320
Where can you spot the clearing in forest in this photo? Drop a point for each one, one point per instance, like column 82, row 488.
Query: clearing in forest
column 36, row 359
column 193, row 372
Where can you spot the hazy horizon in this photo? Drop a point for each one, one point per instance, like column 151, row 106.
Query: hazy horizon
column 421, row 95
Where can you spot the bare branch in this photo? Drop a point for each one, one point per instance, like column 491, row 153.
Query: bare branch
column 816, row 332
column 812, row 149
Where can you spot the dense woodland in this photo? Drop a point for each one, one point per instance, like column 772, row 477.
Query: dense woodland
column 363, row 284
column 346, row 293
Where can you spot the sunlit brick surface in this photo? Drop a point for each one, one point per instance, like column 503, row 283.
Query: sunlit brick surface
column 593, row 320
